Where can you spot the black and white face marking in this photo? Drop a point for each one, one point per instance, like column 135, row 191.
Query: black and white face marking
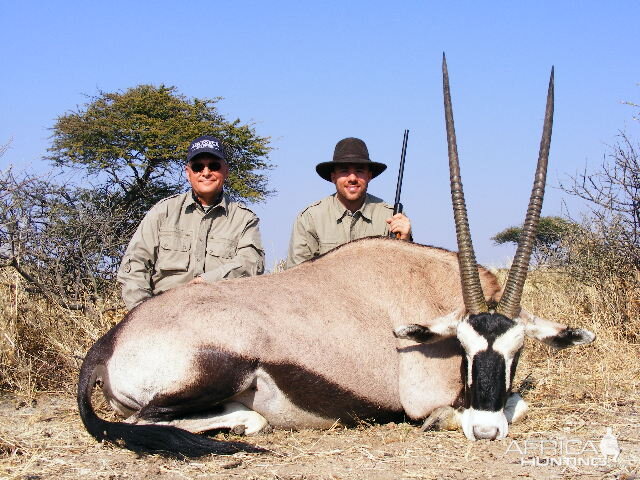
column 553, row 334
column 492, row 343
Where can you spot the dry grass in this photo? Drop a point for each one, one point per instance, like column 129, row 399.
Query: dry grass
column 573, row 394
column 42, row 344
column 606, row 371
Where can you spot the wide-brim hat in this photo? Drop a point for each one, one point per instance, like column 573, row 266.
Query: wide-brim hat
column 350, row 150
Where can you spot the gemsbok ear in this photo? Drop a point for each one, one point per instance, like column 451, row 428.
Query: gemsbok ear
column 438, row 329
column 553, row 334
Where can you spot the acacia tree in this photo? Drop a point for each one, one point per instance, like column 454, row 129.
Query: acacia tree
column 66, row 238
column 549, row 245
column 134, row 142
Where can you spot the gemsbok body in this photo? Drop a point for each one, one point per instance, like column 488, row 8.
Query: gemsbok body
column 336, row 338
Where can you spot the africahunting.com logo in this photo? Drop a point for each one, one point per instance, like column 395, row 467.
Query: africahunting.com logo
column 571, row 452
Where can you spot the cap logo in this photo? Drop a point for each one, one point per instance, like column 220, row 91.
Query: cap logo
column 205, row 144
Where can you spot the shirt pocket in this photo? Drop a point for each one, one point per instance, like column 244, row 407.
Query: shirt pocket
column 221, row 247
column 174, row 251
column 328, row 244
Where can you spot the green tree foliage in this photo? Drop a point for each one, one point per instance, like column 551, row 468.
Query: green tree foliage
column 66, row 238
column 548, row 246
column 134, row 142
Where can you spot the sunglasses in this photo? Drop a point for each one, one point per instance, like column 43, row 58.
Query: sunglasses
column 199, row 166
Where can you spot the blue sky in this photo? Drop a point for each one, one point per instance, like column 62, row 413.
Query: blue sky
column 311, row 73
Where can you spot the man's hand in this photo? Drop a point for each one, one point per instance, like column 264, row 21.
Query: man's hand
column 401, row 224
column 196, row 281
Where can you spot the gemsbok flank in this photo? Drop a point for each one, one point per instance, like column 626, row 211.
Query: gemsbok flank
column 335, row 338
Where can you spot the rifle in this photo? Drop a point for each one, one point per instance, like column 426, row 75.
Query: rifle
column 397, row 206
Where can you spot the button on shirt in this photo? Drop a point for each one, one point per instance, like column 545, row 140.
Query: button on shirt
column 178, row 240
column 327, row 224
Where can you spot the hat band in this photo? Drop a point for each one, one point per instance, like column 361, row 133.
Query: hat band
column 352, row 156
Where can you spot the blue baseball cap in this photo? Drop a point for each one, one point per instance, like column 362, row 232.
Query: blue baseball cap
column 205, row 144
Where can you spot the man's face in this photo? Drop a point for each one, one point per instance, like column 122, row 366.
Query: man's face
column 351, row 181
column 206, row 175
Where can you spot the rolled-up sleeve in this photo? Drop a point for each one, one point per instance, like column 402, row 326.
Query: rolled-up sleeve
column 303, row 244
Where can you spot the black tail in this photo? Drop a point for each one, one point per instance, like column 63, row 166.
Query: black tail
column 162, row 439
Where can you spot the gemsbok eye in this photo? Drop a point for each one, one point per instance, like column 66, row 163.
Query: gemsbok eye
column 316, row 345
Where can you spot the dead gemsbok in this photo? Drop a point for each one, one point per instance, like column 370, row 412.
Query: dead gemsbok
column 335, row 338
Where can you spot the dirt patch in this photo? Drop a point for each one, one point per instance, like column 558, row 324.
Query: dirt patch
column 574, row 395
column 44, row 438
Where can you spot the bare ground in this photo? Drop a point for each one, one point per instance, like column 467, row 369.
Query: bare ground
column 43, row 438
column 573, row 395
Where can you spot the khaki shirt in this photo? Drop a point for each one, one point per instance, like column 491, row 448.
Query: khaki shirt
column 327, row 223
column 177, row 241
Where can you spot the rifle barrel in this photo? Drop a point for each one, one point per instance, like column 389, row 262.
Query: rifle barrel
column 397, row 206
column 401, row 170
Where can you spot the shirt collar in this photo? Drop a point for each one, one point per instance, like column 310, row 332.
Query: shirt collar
column 223, row 203
column 339, row 210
